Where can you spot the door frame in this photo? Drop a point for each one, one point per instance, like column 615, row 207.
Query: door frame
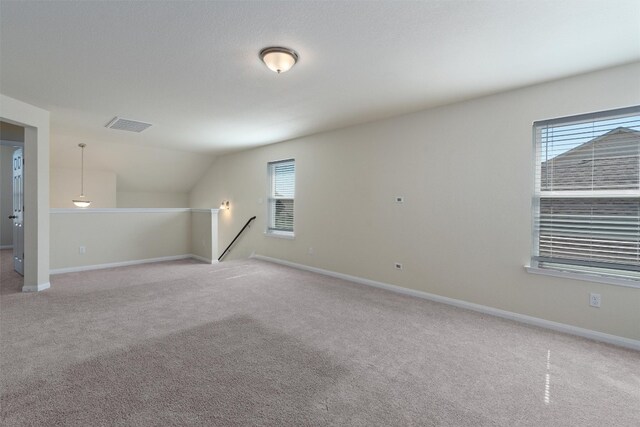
column 36, row 188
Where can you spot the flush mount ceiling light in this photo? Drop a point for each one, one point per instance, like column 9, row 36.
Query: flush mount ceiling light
column 82, row 201
column 279, row 59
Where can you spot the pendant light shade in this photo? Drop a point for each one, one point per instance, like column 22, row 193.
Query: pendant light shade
column 82, row 201
column 279, row 59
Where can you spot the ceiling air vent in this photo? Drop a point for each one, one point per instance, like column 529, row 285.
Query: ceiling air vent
column 126, row 124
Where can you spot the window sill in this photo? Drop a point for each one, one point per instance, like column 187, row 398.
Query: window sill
column 281, row 234
column 584, row 276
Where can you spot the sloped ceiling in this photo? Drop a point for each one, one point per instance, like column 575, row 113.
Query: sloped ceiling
column 191, row 68
column 137, row 168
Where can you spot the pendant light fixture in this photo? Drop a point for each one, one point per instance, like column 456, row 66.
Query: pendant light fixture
column 82, row 201
column 279, row 59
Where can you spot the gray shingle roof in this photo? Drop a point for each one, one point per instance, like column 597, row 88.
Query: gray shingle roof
column 608, row 162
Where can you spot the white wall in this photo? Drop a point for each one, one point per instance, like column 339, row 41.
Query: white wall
column 464, row 230
column 152, row 199
column 99, row 187
column 6, row 195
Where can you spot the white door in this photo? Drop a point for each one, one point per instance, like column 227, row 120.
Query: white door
column 18, row 208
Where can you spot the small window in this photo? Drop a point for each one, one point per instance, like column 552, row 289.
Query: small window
column 586, row 205
column 282, row 188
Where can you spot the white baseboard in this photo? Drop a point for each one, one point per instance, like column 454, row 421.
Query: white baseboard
column 36, row 288
column 127, row 263
column 6, row 246
column 203, row 259
column 530, row 320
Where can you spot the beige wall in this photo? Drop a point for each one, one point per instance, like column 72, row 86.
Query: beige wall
column 464, row 230
column 152, row 199
column 113, row 237
column 6, row 195
column 36, row 185
column 99, row 187
column 138, row 167
column 204, row 234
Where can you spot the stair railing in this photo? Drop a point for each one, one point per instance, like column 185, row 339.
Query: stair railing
column 236, row 238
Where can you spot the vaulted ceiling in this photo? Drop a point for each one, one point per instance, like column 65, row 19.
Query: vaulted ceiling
column 191, row 68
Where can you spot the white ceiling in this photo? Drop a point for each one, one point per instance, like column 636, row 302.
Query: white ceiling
column 191, row 68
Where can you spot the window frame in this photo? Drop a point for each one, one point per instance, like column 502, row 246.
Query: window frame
column 269, row 230
column 580, row 270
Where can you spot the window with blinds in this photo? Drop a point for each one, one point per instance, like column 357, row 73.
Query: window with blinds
column 282, row 184
column 587, row 194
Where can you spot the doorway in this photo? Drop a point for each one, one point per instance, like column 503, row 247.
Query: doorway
column 34, row 122
column 11, row 207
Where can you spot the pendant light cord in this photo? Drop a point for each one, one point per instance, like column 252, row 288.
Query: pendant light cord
column 82, row 171
column 81, row 201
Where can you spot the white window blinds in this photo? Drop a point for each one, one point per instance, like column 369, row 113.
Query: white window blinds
column 587, row 193
column 282, row 177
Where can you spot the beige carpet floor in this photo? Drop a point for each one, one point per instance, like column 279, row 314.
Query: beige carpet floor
column 252, row 343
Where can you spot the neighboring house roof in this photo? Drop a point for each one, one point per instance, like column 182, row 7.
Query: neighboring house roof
column 608, row 162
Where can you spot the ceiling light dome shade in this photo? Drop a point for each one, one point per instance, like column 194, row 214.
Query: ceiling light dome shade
column 279, row 59
column 82, row 202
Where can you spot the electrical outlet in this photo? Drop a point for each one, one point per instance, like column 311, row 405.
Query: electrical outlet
column 398, row 266
column 82, row 250
column 595, row 300
column 310, row 251
column 399, row 199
